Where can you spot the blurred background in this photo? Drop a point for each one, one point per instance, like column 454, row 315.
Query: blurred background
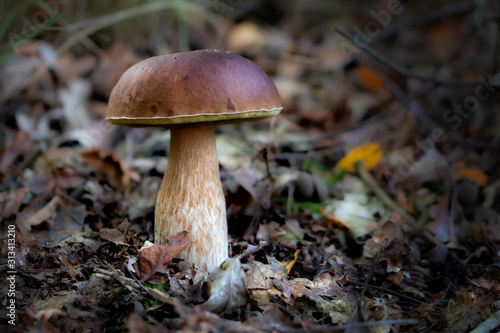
column 409, row 87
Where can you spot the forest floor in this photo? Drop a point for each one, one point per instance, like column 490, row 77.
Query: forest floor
column 370, row 204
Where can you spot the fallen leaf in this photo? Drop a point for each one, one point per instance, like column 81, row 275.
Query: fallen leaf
column 118, row 172
column 55, row 158
column 11, row 201
column 269, row 232
column 369, row 78
column 395, row 248
column 247, row 179
column 441, row 224
column 116, row 235
column 356, row 213
column 154, row 258
column 369, row 153
column 47, row 214
column 272, row 320
column 261, row 276
column 137, row 325
column 332, row 220
column 226, row 287
column 476, row 175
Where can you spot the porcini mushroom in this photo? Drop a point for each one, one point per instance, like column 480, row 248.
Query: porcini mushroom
column 189, row 92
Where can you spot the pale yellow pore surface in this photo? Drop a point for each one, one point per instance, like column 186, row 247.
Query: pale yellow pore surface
column 191, row 197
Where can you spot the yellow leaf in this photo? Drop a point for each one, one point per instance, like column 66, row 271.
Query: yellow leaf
column 477, row 176
column 290, row 265
column 369, row 153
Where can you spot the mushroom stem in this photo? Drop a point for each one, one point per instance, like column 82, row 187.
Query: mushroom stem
column 191, row 198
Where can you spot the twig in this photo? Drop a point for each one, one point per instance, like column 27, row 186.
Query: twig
column 142, row 286
column 358, row 125
column 429, row 123
column 387, row 291
column 455, row 8
column 90, row 26
column 118, row 276
column 373, row 185
column 489, row 325
column 404, row 71
column 329, row 151
column 326, row 329
column 372, row 269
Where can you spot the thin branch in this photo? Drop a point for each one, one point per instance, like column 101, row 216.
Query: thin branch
column 455, row 8
column 404, row 71
column 373, row 185
column 85, row 28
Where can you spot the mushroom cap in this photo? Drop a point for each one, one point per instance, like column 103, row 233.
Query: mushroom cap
column 190, row 87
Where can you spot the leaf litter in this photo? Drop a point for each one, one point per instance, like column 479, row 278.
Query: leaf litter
column 314, row 245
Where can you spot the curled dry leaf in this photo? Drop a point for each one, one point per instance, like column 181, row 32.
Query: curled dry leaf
column 271, row 320
column 47, row 214
column 396, row 243
column 116, row 235
column 115, row 170
column 370, row 154
column 261, row 276
column 11, row 201
column 154, row 258
column 227, row 287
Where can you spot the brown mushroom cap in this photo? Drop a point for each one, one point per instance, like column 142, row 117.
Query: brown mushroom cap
column 189, row 87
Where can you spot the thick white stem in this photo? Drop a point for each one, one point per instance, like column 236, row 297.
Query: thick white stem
column 191, row 197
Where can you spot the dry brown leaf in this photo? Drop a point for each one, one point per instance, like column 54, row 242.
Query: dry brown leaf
column 396, row 243
column 272, row 320
column 261, row 276
column 118, row 172
column 379, row 309
column 292, row 263
column 116, row 235
column 269, row 232
column 136, row 324
column 247, row 179
column 15, row 143
column 227, row 287
column 47, row 214
column 55, row 158
column 155, row 258
column 441, row 224
column 11, row 202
